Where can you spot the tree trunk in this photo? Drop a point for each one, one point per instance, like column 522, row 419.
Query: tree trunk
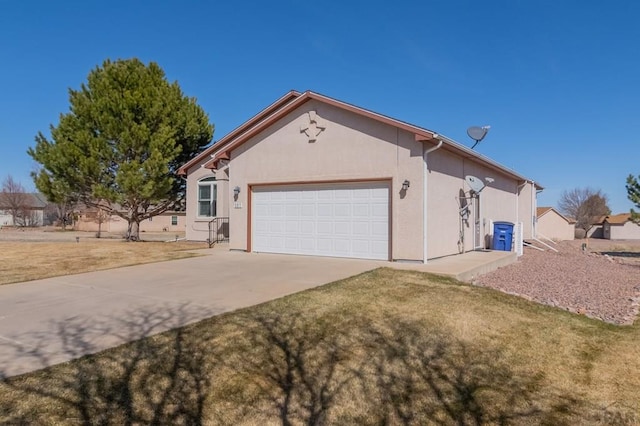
column 133, row 230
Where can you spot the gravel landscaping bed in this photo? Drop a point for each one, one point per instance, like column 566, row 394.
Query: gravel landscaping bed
column 598, row 284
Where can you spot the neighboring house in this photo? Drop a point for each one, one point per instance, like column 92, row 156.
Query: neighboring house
column 313, row 175
column 596, row 231
column 90, row 219
column 30, row 212
column 620, row 227
column 552, row 224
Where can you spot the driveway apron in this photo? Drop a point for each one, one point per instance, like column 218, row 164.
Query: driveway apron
column 53, row 320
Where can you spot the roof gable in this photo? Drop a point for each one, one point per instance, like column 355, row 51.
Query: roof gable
column 292, row 100
column 184, row 169
column 541, row 211
column 31, row 200
column 618, row 219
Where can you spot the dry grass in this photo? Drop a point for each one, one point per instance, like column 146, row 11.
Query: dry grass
column 25, row 261
column 384, row 347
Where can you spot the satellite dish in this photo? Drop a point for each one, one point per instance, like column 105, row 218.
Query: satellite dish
column 477, row 133
column 474, row 183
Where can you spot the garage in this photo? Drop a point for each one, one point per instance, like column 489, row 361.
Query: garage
column 339, row 220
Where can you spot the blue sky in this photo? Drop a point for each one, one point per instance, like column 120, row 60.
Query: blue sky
column 558, row 81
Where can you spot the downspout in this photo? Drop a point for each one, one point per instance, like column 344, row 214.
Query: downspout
column 534, row 215
column 518, row 190
column 424, row 195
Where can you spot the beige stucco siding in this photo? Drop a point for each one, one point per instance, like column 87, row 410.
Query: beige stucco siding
column 358, row 147
column 554, row 226
column 447, row 193
column 628, row 231
column 197, row 228
column 350, row 148
column 527, row 207
column 117, row 225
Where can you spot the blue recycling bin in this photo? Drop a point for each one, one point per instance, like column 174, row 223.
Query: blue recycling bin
column 502, row 235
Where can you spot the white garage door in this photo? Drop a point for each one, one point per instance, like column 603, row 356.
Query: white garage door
column 345, row 220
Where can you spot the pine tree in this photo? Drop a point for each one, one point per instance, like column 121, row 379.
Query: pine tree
column 127, row 132
column 633, row 193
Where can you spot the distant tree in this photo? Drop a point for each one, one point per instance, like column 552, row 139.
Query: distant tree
column 633, row 193
column 14, row 199
column 127, row 132
column 61, row 200
column 585, row 205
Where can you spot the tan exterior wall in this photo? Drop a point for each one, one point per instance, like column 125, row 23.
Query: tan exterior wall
column 197, row 228
column 117, row 225
column 628, row 231
column 554, row 226
column 35, row 218
column 448, row 233
column 350, row 147
column 527, row 209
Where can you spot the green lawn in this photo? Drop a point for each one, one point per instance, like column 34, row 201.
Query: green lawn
column 384, row 347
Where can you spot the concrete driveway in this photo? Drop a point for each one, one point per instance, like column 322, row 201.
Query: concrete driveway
column 48, row 321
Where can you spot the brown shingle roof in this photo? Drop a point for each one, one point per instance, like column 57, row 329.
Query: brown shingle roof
column 541, row 211
column 618, row 219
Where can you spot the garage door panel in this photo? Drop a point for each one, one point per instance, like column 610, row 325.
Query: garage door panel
column 292, row 227
column 325, row 210
column 344, row 220
column 292, row 210
column 276, row 226
column 342, row 228
column 361, row 210
column 277, row 242
column 292, row 243
column 324, row 194
column 361, row 229
column 342, row 195
column 380, row 248
column 342, row 210
column 379, row 229
column 380, row 210
column 307, row 227
column 307, row 245
column 325, row 228
column 342, row 246
column 276, row 210
column 308, row 210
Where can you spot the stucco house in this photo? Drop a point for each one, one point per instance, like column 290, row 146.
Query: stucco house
column 620, row 227
column 28, row 208
column 91, row 220
column 596, row 230
column 553, row 225
column 314, row 175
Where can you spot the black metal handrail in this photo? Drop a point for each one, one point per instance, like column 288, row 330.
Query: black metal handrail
column 218, row 231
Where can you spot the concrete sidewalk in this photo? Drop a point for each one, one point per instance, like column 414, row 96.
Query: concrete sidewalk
column 48, row 321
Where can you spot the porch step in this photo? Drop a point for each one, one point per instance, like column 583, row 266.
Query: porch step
column 465, row 267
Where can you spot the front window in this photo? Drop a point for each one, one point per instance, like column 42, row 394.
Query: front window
column 207, row 195
column 174, row 220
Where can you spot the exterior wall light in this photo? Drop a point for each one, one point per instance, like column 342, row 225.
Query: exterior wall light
column 405, row 185
column 236, row 191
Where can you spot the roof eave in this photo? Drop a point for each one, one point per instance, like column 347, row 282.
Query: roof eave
column 287, row 97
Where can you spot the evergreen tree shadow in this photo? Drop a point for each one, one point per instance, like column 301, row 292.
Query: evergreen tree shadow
column 418, row 376
column 298, row 367
column 159, row 380
column 313, row 372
